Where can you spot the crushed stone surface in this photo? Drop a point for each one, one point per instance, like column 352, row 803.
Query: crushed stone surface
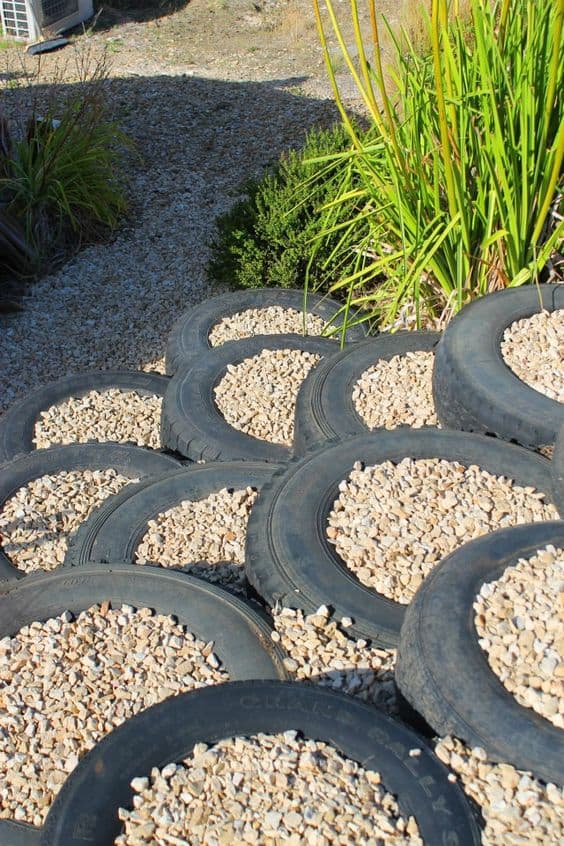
column 36, row 523
column 205, row 537
column 258, row 396
column 321, row 650
column 534, row 349
column 520, row 621
column 112, row 415
column 397, row 392
column 266, row 789
column 392, row 523
column 517, row 808
column 68, row 681
column 272, row 320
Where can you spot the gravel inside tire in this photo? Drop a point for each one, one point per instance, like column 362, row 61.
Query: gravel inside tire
column 443, row 672
column 18, row 423
column 240, row 636
column 130, row 461
column 289, row 559
column 189, row 338
column 114, row 531
column 89, row 800
column 473, row 387
column 325, row 409
column 191, row 423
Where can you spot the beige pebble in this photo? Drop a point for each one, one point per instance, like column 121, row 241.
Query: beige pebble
column 534, row 349
column 272, row 320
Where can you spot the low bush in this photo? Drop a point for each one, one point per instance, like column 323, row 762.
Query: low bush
column 271, row 237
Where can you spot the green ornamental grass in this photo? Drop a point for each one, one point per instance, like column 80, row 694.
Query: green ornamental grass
column 459, row 185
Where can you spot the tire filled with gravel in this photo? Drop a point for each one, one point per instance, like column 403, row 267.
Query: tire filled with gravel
column 243, row 314
column 194, row 520
column 47, row 494
column 357, row 525
column 70, row 676
column 238, row 401
column 498, row 367
column 382, row 382
column 258, row 761
column 114, row 405
column 480, row 652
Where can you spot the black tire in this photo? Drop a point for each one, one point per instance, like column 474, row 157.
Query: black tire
column 557, row 467
column 14, row 833
column 18, row 423
column 90, row 798
column 114, row 530
column 241, row 635
column 444, row 673
column 288, row 558
column 130, row 461
column 475, row 390
column 189, row 338
column 325, row 408
column 191, row 423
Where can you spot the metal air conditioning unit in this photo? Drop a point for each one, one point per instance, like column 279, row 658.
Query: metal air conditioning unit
column 31, row 20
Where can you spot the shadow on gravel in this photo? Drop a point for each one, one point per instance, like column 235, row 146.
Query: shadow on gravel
column 113, row 304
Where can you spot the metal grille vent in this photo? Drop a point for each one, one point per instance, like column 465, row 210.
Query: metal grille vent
column 14, row 18
column 54, row 10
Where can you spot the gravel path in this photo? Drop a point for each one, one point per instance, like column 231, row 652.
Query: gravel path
column 265, row 789
column 67, row 682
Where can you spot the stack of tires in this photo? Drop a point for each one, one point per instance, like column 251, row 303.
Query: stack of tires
column 486, row 424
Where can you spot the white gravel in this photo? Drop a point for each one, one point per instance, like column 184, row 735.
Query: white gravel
column 391, row 524
column 36, row 523
column 397, row 392
column 112, row 415
column 320, row 650
column 273, row 320
column 265, row 789
column 207, row 534
column 534, row 349
column 520, row 620
column 67, row 682
column 258, row 396
column 518, row 809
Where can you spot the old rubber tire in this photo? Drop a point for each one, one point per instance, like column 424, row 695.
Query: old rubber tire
column 325, row 409
column 557, row 467
column 189, row 338
column 191, row 423
column 131, row 461
column 443, row 672
column 115, row 529
column 241, row 636
column 288, row 558
column 13, row 833
column 475, row 390
column 88, row 803
column 18, row 423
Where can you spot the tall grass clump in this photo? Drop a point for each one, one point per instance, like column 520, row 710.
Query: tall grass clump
column 462, row 180
column 61, row 180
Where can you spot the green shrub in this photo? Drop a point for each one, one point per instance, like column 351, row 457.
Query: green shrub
column 60, row 181
column 271, row 238
column 463, row 174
